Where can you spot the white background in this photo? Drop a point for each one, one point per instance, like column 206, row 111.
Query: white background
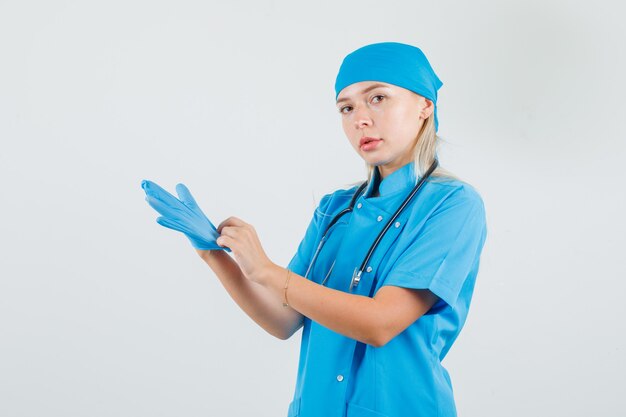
column 103, row 312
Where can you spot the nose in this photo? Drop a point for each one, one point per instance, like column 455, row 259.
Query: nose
column 361, row 117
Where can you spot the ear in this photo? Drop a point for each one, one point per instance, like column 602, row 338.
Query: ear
column 427, row 109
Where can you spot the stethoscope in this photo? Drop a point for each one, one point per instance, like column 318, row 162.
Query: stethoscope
column 356, row 276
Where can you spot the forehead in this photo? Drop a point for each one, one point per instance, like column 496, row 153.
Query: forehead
column 363, row 87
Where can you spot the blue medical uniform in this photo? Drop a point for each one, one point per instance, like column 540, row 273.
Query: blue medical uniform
column 436, row 244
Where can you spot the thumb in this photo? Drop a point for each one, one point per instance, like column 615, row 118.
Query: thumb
column 185, row 196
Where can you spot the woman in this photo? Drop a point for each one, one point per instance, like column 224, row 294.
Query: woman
column 376, row 324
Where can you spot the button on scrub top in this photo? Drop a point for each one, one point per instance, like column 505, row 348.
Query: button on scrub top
column 435, row 244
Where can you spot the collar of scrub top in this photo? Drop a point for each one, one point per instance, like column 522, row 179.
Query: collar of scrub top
column 396, row 181
column 401, row 179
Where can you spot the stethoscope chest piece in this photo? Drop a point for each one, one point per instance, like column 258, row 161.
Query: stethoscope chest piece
column 356, row 278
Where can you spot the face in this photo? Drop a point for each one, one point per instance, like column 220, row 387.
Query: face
column 389, row 114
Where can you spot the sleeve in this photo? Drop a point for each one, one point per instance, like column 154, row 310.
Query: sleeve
column 446, row 250
column 300, row 261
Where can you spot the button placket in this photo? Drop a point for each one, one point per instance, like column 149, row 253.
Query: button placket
column 372, row 219
column 358, row 236
column 375, row 267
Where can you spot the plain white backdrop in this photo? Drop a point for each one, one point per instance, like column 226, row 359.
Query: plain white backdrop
column 103, row 312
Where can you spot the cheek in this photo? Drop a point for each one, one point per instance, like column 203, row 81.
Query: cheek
column 346, row 128
column 349, row 132
column 409, row 120
column 347, row 123
column 404, row 128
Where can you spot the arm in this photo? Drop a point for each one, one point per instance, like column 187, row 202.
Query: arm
column 454, row 236
column 374, row 321
column 263, row 306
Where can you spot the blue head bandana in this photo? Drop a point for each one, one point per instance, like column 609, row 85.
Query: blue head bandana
column 394, row 63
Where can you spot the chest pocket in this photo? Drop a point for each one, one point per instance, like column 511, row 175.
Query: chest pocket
column 354, row 410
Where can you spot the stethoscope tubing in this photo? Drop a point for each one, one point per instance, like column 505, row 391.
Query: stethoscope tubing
column 393, row 218
column 333, row 221
column 357, row 276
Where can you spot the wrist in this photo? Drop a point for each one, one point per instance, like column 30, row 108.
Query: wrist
column 208, row 256
column 267, row 274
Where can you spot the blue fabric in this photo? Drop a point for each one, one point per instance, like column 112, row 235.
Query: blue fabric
column 436, row 245
column 391, row 62
column 182, row 215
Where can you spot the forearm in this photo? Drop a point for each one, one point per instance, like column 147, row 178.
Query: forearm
column 259, row 303
column 352, row 315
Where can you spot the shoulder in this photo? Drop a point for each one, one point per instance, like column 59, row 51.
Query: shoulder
column 450, row 197
column 455, row 190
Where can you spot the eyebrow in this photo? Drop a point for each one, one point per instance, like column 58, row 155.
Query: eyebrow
column 371, row 87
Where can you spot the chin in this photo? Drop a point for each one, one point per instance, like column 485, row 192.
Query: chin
column 375, row 161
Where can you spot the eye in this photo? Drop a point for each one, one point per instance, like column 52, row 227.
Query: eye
column 344, row 107
column 341, row 110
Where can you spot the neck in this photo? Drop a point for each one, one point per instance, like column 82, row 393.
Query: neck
column 386, row 170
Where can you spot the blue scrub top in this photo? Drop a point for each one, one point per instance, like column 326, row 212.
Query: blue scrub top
column 436, row 244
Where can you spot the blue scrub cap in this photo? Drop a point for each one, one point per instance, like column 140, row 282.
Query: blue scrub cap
column 394, row 63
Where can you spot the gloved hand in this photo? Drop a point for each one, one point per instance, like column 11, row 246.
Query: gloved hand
column 182, row 215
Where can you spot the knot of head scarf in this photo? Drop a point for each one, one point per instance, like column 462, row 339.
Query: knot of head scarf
column 394, row 63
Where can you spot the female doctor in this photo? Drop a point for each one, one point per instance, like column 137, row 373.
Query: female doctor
column 382, row 281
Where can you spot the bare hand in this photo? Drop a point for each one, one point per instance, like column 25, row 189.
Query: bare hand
column 246, row 247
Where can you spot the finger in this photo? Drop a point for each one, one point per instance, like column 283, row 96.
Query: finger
column 230, row 231
column 170, row 224
column 161, row 207
column 231, row 221
column 185, row 196
column 193, row 237
column 195, row 242
column 154, row 190
column 225, row 242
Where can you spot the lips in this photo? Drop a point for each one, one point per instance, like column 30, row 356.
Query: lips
column 366, row 139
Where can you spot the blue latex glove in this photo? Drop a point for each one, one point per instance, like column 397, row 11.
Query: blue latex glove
column 182, row 215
